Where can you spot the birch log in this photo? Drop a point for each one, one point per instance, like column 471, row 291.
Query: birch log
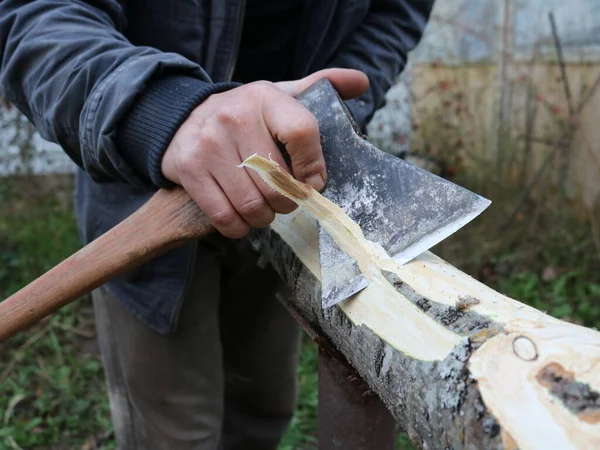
column 458, row 364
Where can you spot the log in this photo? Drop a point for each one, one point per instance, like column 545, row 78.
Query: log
column 458, row 364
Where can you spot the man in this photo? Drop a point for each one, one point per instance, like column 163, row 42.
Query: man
column 198, row 352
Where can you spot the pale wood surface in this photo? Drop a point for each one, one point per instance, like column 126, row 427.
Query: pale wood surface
column 460, row 365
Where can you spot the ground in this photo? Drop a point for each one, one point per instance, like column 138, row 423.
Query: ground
column 52, row 393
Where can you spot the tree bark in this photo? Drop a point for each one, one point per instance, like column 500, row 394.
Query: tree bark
column 458, row 364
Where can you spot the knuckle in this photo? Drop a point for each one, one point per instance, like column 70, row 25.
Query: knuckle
column 188, row 159
column 209, row 140
column 259, row 88
column 233, row 114
column 305, row 125
column 310, row 167
column 223, row 218
column 253, row 207
column 192, row 157
column 279, row 203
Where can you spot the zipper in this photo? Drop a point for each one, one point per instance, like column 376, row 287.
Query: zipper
column 238, row 38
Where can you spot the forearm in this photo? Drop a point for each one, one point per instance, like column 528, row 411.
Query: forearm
column 68, row 67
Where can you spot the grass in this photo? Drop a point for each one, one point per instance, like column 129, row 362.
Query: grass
column 52, row 389
column 52, row 393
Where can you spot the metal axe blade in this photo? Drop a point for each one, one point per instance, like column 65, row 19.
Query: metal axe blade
column 404, row 208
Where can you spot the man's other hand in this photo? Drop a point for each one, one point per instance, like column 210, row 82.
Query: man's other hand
column 229, row 127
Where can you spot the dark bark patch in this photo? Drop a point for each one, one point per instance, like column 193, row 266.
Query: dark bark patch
column 423, row 304
column 379, row 356
column 577, row 397
column 450, row 316
column 491, row 426
column 343, row 320
column 397, row 283
column 453, row 369
column 456, row 318
column 466, row 301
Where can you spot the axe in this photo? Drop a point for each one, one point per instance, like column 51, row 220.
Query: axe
column 405, row 209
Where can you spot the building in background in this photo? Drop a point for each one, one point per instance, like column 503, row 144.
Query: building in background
column 486, row 84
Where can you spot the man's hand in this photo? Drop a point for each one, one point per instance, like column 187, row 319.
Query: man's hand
column 228, row 127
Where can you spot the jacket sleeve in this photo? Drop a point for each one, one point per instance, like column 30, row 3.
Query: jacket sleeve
column 379, row 47
column 112, row 106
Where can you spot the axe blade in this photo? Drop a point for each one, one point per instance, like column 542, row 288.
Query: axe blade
column 404, row 208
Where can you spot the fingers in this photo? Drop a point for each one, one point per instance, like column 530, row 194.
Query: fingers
column 207, row 165
column 244, row 129
column 228, row 127
column 233, row 204
column 349, row 83
column 242, row 192
column 247, row 199
column 277, row 202
column 211, row 199
column 294, row 126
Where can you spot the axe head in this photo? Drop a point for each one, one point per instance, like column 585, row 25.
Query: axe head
column 404, row 208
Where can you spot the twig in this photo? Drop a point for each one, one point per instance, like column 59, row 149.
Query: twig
column 561, row 63
column 8, row 413
column 531, row 109
column 583, row 136
column 41, row 371
column 561, row 143
column 95, row 441
column 530, row 118
column 595, row 231
column 589, row 94
column 13, row 443
column 11, row 407
column 78, row 331
column 28, row 343
column 57, row 348
column 565, row 160
column 539, row 140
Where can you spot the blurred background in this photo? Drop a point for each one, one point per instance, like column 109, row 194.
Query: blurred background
column 501, row 96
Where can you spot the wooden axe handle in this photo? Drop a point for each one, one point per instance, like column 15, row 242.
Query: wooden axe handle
column 168, row 219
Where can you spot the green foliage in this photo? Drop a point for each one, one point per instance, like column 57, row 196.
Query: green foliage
column 51, row 386
column 51, row 381
column 302, row 430
column 569, row 296
column 33, row 242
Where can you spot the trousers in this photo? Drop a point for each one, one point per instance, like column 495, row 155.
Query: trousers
column 225, row 379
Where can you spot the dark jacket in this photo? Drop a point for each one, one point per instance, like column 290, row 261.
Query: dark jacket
column 112, row 81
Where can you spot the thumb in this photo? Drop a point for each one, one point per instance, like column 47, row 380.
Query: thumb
column 349, row 83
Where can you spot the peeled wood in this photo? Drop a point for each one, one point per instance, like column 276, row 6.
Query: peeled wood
column 458, row 364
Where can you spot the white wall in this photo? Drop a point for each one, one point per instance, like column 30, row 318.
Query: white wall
column 18, row 140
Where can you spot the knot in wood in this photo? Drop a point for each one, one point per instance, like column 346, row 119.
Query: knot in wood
column 525, row 349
